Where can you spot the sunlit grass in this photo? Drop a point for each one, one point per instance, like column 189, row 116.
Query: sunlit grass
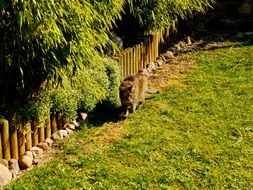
column 198, row 135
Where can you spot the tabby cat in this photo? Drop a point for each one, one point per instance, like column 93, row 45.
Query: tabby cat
column 132, row 91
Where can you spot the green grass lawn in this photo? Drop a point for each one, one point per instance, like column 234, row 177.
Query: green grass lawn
column 196, row 134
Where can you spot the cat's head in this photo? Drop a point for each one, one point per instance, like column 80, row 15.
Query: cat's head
column 145, row 72
column 126, row 94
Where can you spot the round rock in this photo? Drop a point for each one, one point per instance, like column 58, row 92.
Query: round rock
column 25, row 162
column 14, row 167
column 70, row 126
column 4, row 162
column 55, row 136
column 43, row 145
column 5, row 175
column 49, row 141
column 168, row 55
column 62, row 133
column 37, row 150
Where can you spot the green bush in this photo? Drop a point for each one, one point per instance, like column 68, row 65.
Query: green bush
column 35, row 110
column 97, row 84
column 113, row 74
column 58, row 42
column 89, row 86
column 65, row 102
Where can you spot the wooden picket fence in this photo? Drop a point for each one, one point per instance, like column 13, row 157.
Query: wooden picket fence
column 135, row 58
column 14, row 143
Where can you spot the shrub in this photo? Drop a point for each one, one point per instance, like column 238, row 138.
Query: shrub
column 97, row 84
column 86, row 89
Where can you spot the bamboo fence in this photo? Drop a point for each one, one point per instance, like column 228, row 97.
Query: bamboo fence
column 135, row 58
column 15, row 142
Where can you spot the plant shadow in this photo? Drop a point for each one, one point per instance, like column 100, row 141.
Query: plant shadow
column 103, row 113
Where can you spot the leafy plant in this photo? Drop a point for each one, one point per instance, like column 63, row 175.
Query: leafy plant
column 38, row 39
column 157, row 14
column 86, row 89
column 145, row 16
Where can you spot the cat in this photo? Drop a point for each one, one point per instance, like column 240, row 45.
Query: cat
column 132, row 91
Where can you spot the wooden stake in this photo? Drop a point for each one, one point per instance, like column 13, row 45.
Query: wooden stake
column 1, row 146
column 14, row 144
column 59, row 120
column 28, row 144
column 41, row 133
column 35, row 136
column 48, row 126
column 21, row 141
column 5, row 139
column 53, row 124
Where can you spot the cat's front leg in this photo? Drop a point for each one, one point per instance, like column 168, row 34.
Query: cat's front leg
column 134, row 106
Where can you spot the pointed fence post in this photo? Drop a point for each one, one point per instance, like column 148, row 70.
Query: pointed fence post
column 142, row 61
column 122, row 66
column 14, row 144
column 21, row 140
column 138, row 60
column 48, row 126
column 28, row 144
column 35, row 136
column 125, row 64
column 53, row 124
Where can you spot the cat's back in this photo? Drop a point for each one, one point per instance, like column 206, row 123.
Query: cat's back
column 133, row 87
column 137, row 82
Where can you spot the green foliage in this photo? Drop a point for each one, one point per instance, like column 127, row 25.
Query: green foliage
column 38, row 39
column 64, row 101
column 35, row 110
column 57, row 42
column 157, row 14
column 97, row 84
column 83, row 92
column 113, row 74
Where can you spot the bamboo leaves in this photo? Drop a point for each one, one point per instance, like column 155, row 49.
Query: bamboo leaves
column 57, row 37
column 157, row 14
column 20, row 19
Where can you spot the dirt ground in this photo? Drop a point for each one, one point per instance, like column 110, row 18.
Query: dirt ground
column 171, row 73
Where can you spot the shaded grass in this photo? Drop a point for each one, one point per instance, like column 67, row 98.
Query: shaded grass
column 197, row 135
